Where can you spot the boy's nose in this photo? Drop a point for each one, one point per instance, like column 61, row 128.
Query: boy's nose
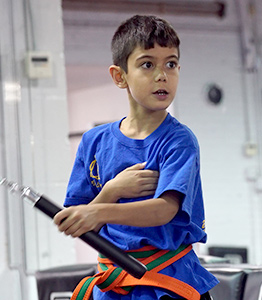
column 160, row 75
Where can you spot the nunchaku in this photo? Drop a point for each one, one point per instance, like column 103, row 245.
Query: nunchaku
column 99, row 243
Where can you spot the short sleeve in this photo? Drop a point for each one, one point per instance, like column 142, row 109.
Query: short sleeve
column 79, row 189
column 179, row 170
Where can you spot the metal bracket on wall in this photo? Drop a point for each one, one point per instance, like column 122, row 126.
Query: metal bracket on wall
column 246, row 15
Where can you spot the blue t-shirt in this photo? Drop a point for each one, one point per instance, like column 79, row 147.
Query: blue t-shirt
column 172, row 149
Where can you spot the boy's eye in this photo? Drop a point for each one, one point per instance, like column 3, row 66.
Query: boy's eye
column 147, row 65
column 171, row 64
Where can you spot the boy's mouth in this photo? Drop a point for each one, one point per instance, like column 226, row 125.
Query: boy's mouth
column 161, row 92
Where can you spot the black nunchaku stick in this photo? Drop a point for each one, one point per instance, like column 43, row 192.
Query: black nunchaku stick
column 103, row 246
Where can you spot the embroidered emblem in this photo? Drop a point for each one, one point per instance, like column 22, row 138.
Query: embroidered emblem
column 94, row 173
column 204, row 225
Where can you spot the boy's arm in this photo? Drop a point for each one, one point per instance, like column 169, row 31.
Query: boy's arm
column 145, row 213
column 132, row 182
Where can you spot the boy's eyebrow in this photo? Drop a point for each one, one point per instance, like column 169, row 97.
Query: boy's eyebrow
column 151, row 57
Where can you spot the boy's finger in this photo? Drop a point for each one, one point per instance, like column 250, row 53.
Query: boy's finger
column 150, row 173
column 60, row 217
column 139, row 166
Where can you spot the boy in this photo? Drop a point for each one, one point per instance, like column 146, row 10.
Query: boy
column 137, row 180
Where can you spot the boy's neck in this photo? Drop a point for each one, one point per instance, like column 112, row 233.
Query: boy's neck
column 141, row 126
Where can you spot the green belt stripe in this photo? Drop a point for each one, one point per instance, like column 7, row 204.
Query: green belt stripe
column 164, row 258
column 85, row 286
column 103, row 267
column 110, row 278
column 127, row 288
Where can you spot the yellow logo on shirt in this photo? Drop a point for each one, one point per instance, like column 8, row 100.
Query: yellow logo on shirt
column 204, row 225
column 94, row 173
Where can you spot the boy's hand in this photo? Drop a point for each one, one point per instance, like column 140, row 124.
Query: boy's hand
column 77, row 220
column 134, row 182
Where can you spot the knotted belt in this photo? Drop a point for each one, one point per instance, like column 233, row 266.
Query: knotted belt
column 111, row 278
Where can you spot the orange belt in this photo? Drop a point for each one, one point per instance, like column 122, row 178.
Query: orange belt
column 111, row 278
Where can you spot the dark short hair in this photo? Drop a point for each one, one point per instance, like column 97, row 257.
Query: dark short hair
column 143, row 31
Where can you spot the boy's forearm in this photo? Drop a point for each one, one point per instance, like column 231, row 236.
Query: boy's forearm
column 146, row 213
column 107, row 195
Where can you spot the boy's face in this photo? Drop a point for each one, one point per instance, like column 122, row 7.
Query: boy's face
column 152, row 77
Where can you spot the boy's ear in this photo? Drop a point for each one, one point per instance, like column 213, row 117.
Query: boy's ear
column 118, row 76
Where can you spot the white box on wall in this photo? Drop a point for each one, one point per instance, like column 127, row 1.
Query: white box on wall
column 39, row 64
